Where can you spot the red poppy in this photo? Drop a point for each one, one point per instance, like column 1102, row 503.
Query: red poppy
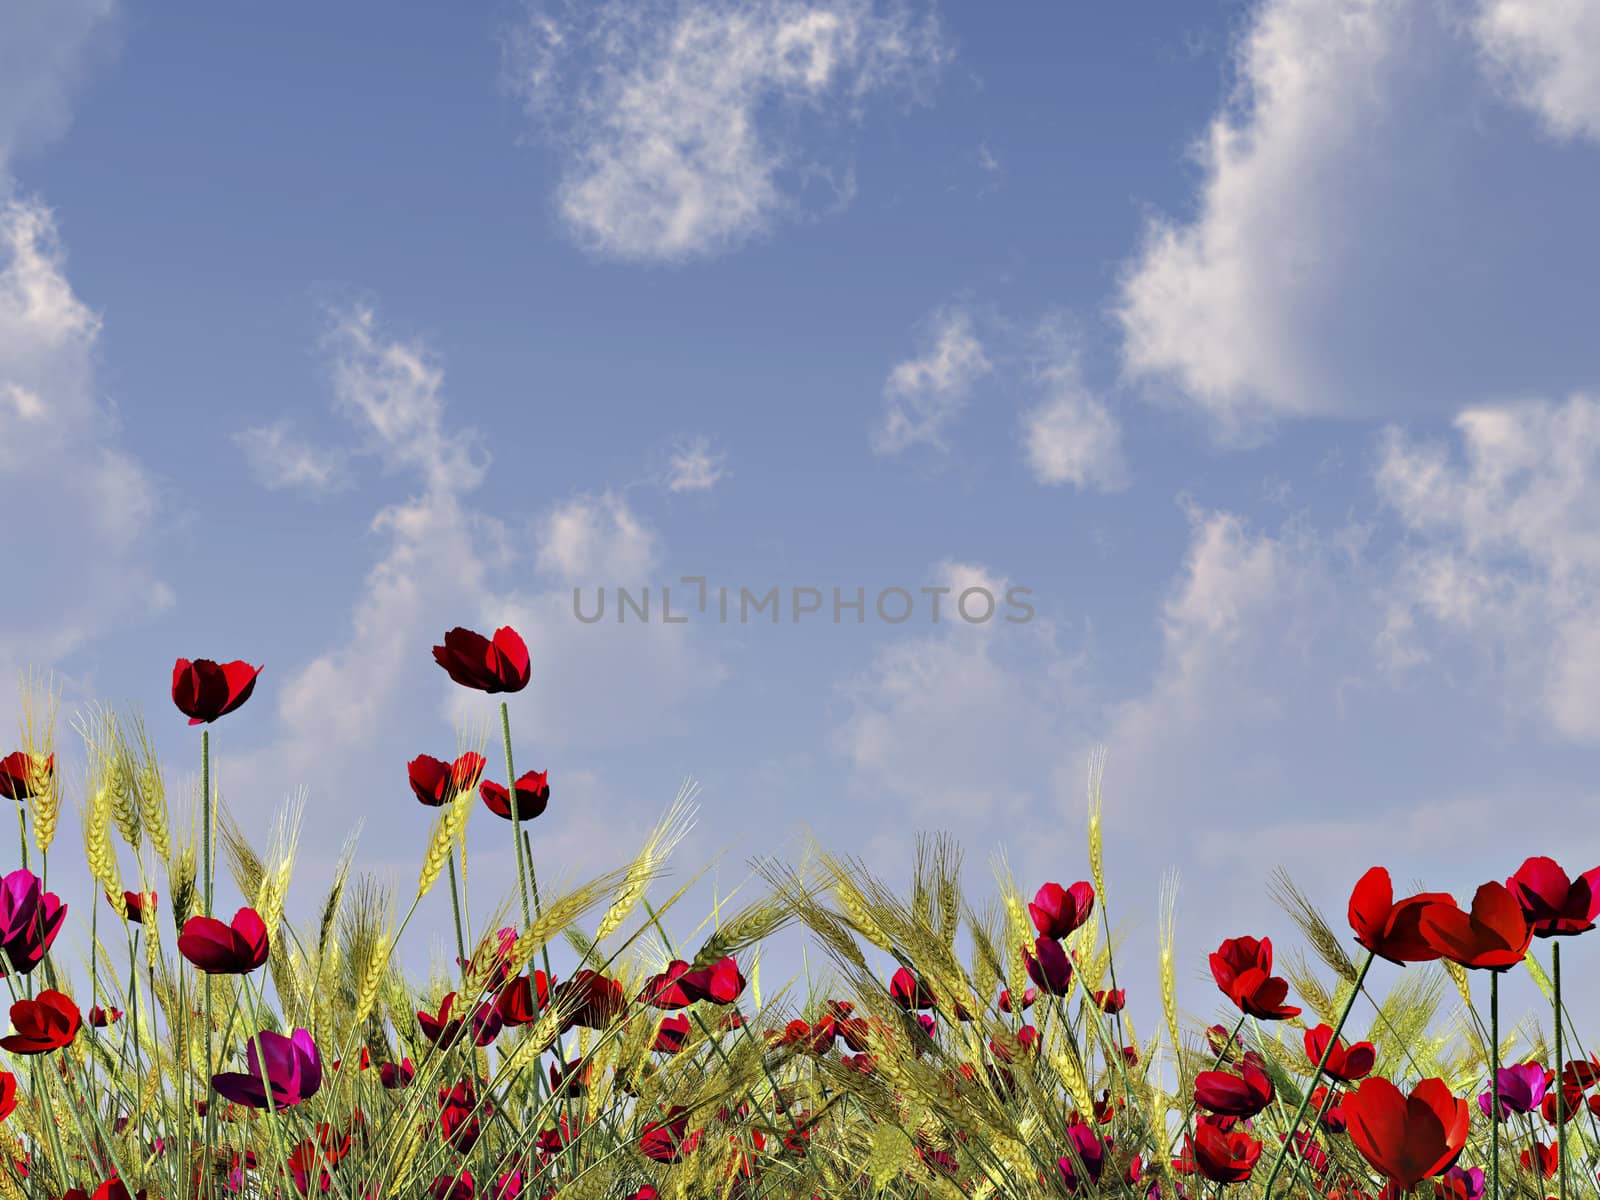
column 1111, row 1002
column 100, row 1017
column 204, row 690
column 668, row 1140
column 436, row 782
column 47, row 1022
column 8, row 1094
column 489, row 665
column 1057, row 911
column 396, row 1075
column 679, row 986
column 1407, row 1138
column 1242, row 967
column 137, row 903
column 1541, row 1158
column 1494, row 936
column 724, row 984
column 1225, row 1157
column 520, row 1000
column 1028, row 997
column 1392, row 931
column 1230, row 1095
column 1345, row 1063
column 1048, row 966
column 533, row 794
column 1553, row 904
column 595, row 999
column 24, row 775
column 233, row 949
column 909, row 992
column 672, row 1033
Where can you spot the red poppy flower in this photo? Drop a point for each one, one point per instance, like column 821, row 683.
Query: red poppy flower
column 1541, row 1158
column 1345, row 1063
column 396, row 1075
column 47, row 1022
column 1225, row 1157
column 1494, row 936
column 24, row 775
column 1028, row 997
column 668, row 1140
column 1332, row 1110
column 100, row 1017
column 679, row 986
column 489, row 665
column 595, row 1000
column 1553, row 904
column 1111, row 1002
column 137, row 903
column 1231, row 1095
column 1408, row 1139
column 1048, row 966
column 909, row 992
column 533, row 794
column 1391, row 930
column 520, row 1001
column 442, row 1030
column 1057, row 911
column 436, row 782
column 1242, row 967
column 8, row 1094
column 724, row 984
column 672, row 1034
column 204, row 690
column 233, row 949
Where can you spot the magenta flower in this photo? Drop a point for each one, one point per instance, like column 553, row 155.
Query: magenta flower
column 292, row 1065
column 1553, row 904
column 1048, row 966
column 1521, row 1090
column 1057, row 911
column 30, row 918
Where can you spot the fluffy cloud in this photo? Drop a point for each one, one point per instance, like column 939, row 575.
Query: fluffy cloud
column 44, row 52
column 695, row 467
column 1353, row 237
column 923, row 396
column 665, row 112
column 281, row 460
column 1506, row 551
column 84, row 536
column 1547, row 54
column 1071, row 437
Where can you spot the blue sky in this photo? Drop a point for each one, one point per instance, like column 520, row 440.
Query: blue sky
column 1256, row 340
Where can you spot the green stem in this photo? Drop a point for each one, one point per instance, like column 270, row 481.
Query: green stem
column 1494, row 1084
column 516, row 818
column 1305, row 1102
column 1561, row 1103
column 206, row 817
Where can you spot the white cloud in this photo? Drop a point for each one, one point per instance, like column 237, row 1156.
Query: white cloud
column 695, row 467
column 923, row 396
column 664, row 111
column 1547, row 54
column 44, row 51
column 280, row 459
column 1506, row 551
column 1071, row 436
column 596, row 541
column 84, row 541
column 1354, row 240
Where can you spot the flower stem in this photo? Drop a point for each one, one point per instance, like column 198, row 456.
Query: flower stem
column 206, row 815
column 1561, row 1101
column 516, row 815
column 1494, row 1084
column 1305, row 1102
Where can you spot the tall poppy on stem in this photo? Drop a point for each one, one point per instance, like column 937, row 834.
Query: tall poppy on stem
column 1362, row 921
column 204, row 691
column 1494, row 936
column 1556, row 906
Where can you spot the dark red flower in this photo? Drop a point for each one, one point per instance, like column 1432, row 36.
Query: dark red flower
column 595, row 1000
column 533, row 795
column 724, row 983
column 679, row 986
column 137, row 904
column 397, row 1075
column 1541, row 1159
column 1088, row 1153
column 1553, row 904
column 521, row 1000
column 47, row 1022
column 1390, row 930
column 204, row 690
column 233, row 949
column 489, row 665
column 24, row 775
column 1409, row 1139
column 436, row 782
column 1231, row 1095
column 1494, row 936
column 1048, row 966
column 442, row 1030
column 459, row 1113
column 668, row 1140
column 1225, row 1157
column 1111, row 1002
column 672, row 1034
column 100, row 1017
column 1028, row 997
column 1057, row 911
column 1346, row 1064
column 909, row 992
column 1242, row 967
